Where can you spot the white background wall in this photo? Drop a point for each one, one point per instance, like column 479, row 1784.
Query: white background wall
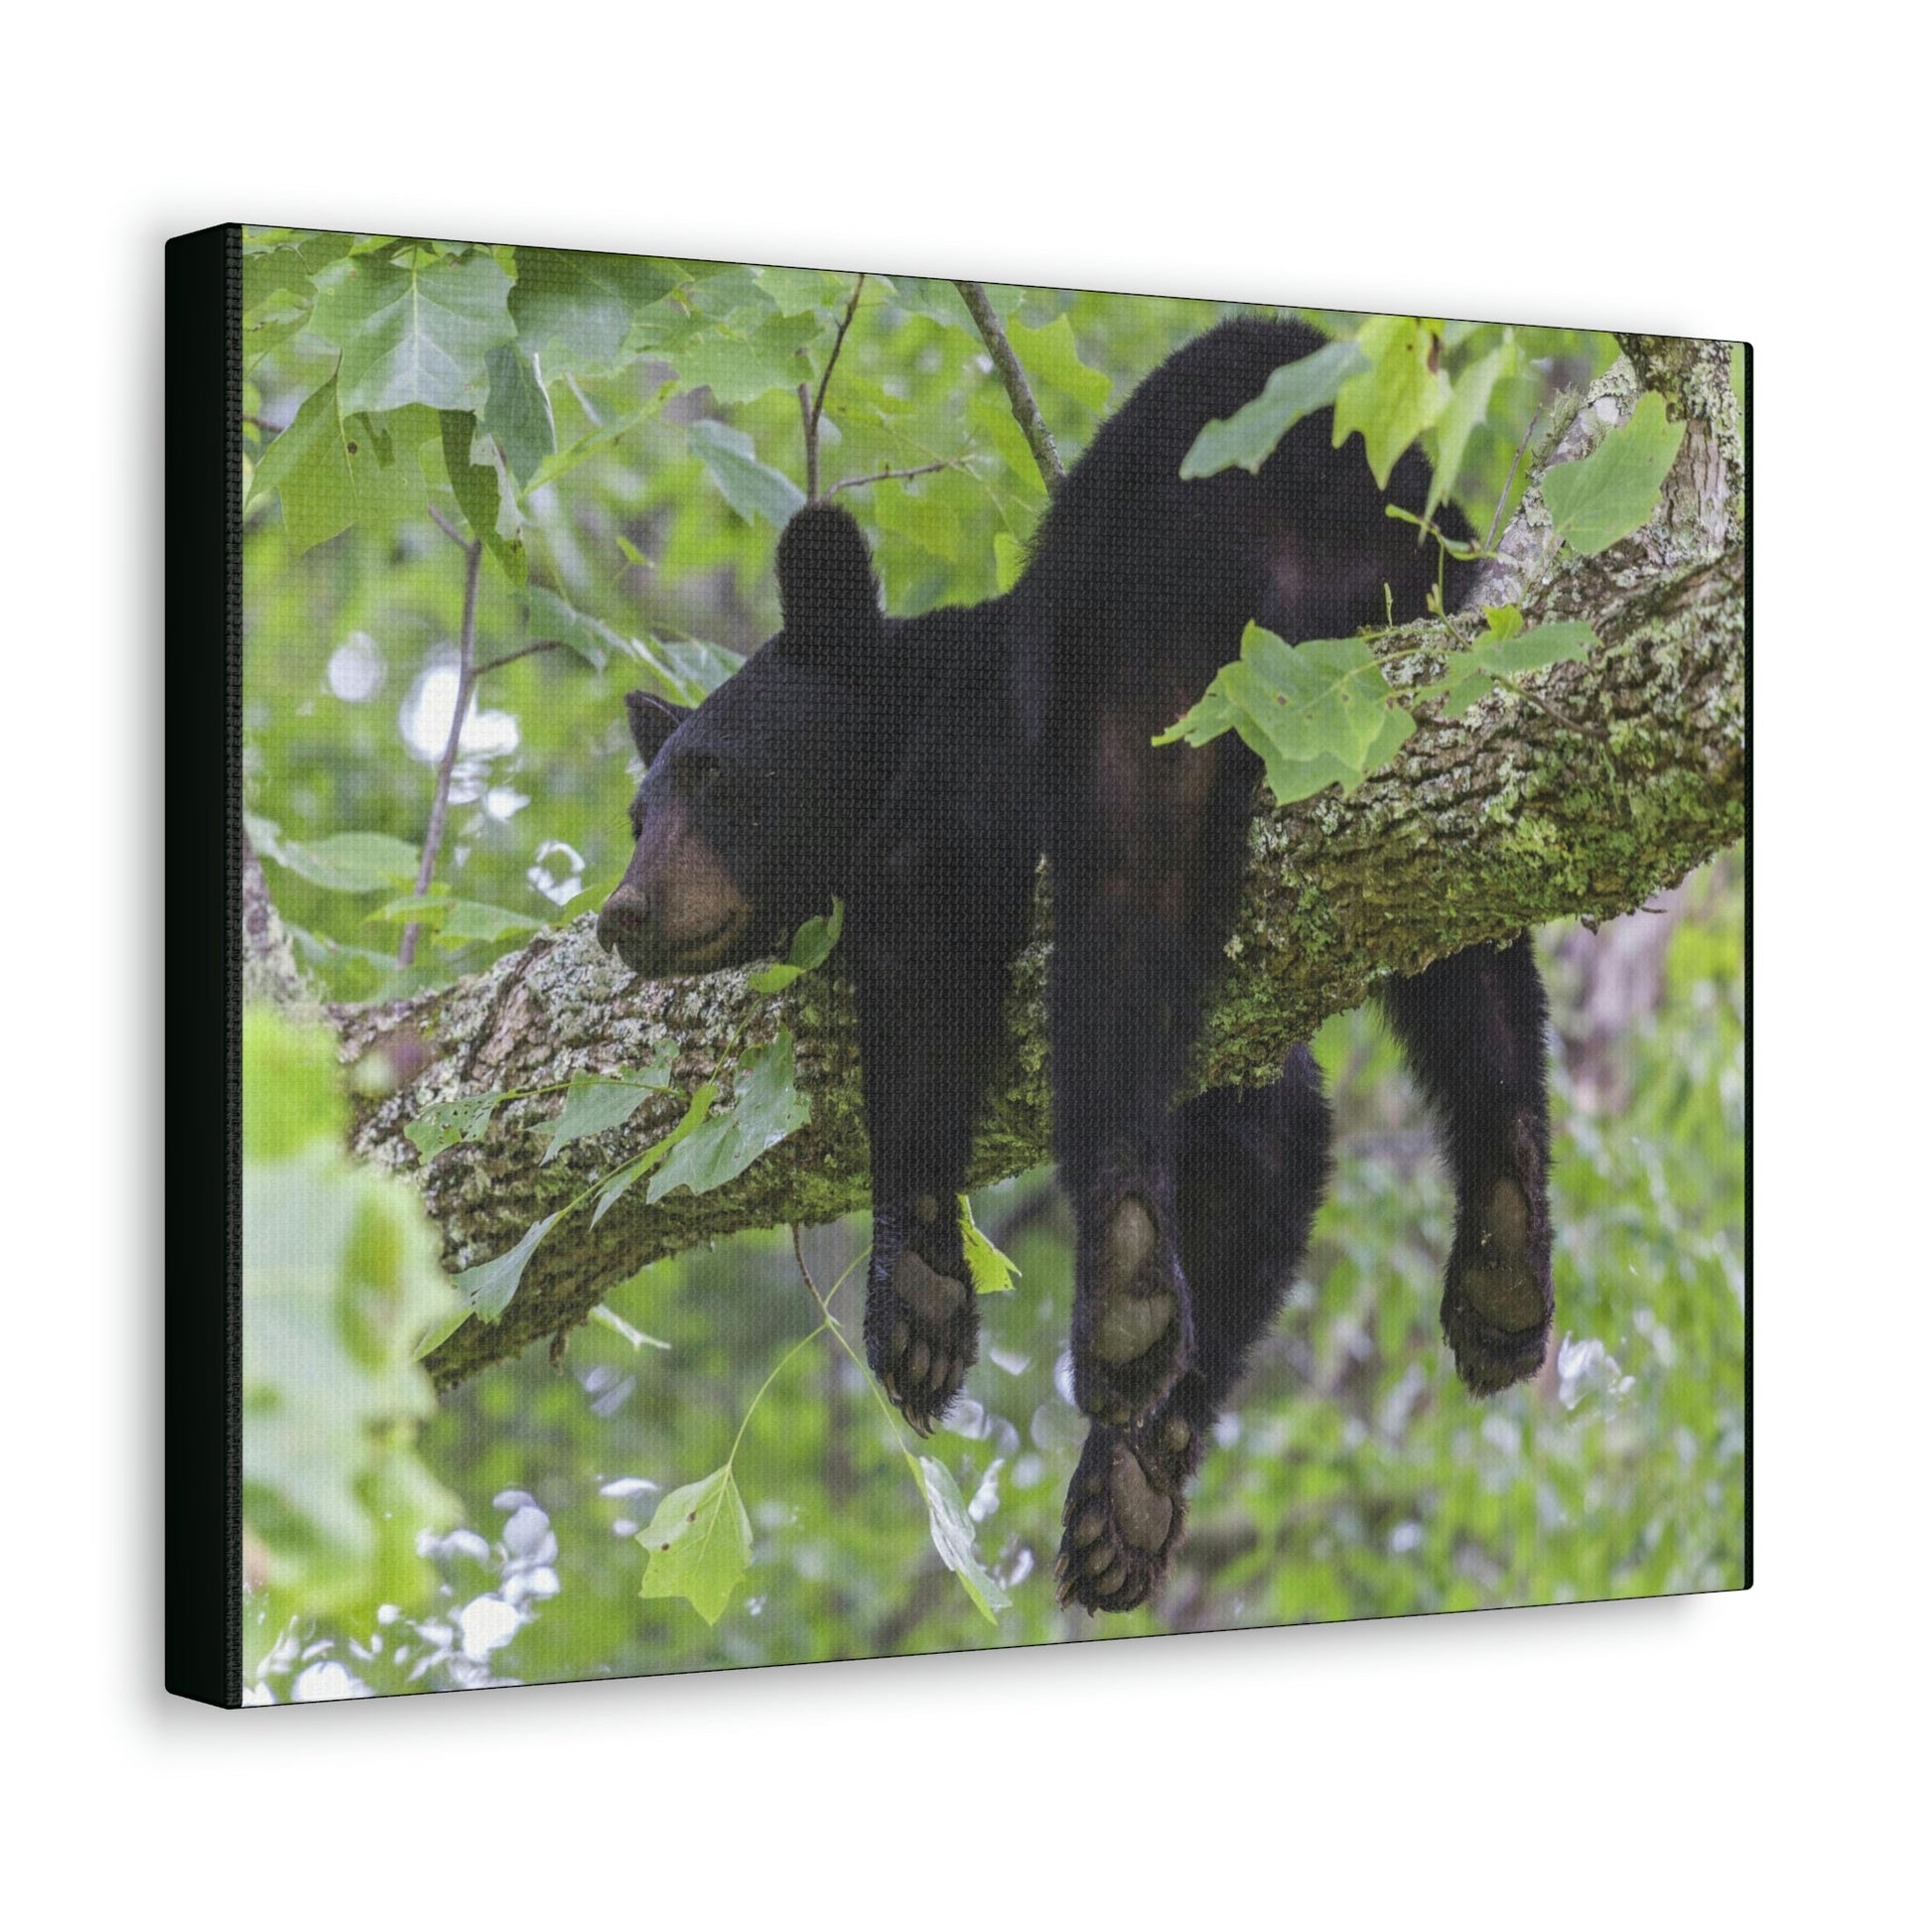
column 1662, row 1764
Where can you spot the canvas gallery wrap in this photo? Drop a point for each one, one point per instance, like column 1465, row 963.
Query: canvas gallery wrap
column 912, row 965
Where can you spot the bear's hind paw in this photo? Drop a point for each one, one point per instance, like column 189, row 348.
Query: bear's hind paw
column 921, row 1336
column 1498, row 1300
column 1125, row 1510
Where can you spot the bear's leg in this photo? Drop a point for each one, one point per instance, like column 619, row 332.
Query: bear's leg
column 1473, row 1027
column 931, row 959
column 1250, row 1165
column 1144, row 848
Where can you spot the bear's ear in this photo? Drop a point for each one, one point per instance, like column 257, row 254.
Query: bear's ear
column 825, row 583
column 652, row 721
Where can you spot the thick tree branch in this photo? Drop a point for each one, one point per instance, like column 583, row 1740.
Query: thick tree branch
column 1484, row 826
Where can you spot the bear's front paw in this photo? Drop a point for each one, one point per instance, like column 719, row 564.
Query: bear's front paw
column 921, row 1336
column 1124, row 1509
column 1497, row 1299
column 1132, row 1336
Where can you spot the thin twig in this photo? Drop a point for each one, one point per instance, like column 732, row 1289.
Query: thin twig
column 1025, row 411
column 811, row 442
column 1549, row 710
column 466, row 684
column 817, row 408
column 798, row 1249
column 896, row 476
column 1496, row 523
column 448, row 528
column 510, row 657
column 832, row 361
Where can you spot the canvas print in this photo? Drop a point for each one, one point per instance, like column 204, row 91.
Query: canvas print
column 917, row 965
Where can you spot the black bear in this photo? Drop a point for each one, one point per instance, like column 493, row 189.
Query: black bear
column 918, row 767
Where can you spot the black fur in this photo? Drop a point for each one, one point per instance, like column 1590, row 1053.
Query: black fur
column 918, row 768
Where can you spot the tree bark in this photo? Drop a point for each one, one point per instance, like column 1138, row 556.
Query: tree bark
column 1482, row 827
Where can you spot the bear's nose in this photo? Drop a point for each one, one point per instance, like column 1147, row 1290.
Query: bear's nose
column 624, row 923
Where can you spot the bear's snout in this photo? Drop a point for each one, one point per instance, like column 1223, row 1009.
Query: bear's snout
column 625, row 926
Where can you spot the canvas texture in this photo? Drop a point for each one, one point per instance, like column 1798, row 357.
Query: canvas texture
column 924, row 966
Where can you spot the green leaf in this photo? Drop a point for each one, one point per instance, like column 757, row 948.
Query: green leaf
column 1613, row 491
column 455, row 921
column 1397, row 397
column 577, row 308
column 604, row 437
column 739, row 367
column 700, row 1543
column 1009, row 560
column 291, row 1087
column 271, row 274
column 482, row 491
column 439, row 1331
column 330, row 472
column 993, row 1273
column 1505, row 650
column 812, row 945
column 1317, row 713
column 277, row 297
column 765, row 1109
column 443, row 1122
column 685, row 669
column 748, row 485
column 1467, row 405
column 1516, row 651
column 920, row 295
column 1294, row 391
column 339, row 1277
column 696, row 1113
column 415, row 329
column 468, row 918
column 518, row 413
column 346, row 862
column 427, row 910
column 992, row 421
column 594, row 1105
column 952, row 1537
column 547, row 615
column 490, row 1287
column 1050, row 356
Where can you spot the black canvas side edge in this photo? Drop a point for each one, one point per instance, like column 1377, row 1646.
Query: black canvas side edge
column 201, row 1592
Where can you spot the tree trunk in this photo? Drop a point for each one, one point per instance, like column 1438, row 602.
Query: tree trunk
column 1482, row 827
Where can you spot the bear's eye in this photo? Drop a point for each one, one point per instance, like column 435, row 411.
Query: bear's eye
column 694, row 772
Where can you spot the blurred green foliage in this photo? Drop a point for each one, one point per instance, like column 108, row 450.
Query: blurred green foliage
column 340, row 1280
column 629, row 432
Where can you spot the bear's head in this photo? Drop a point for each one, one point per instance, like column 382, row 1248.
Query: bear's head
column 754, row 805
